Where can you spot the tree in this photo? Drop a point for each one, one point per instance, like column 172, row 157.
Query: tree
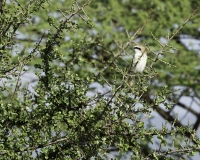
column 83, row 105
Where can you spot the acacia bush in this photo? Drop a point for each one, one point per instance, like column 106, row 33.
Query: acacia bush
column 85, row 102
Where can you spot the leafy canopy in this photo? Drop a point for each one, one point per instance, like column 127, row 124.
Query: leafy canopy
column 86, row 102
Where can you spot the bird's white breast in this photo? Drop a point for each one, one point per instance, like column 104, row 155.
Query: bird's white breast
column 139, row 61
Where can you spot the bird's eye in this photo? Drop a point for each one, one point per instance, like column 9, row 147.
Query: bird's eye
column 137, row 48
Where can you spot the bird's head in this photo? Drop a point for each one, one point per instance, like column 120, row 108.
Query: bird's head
column 139, row 48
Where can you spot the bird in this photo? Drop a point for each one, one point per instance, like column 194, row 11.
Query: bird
column 140, row 58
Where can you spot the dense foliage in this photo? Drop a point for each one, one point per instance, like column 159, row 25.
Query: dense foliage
column 82, row 100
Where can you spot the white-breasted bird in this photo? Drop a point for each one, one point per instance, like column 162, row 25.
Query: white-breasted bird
column 140, row 58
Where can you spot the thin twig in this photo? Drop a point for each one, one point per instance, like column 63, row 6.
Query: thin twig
column 170, row 38
column 19, row 75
